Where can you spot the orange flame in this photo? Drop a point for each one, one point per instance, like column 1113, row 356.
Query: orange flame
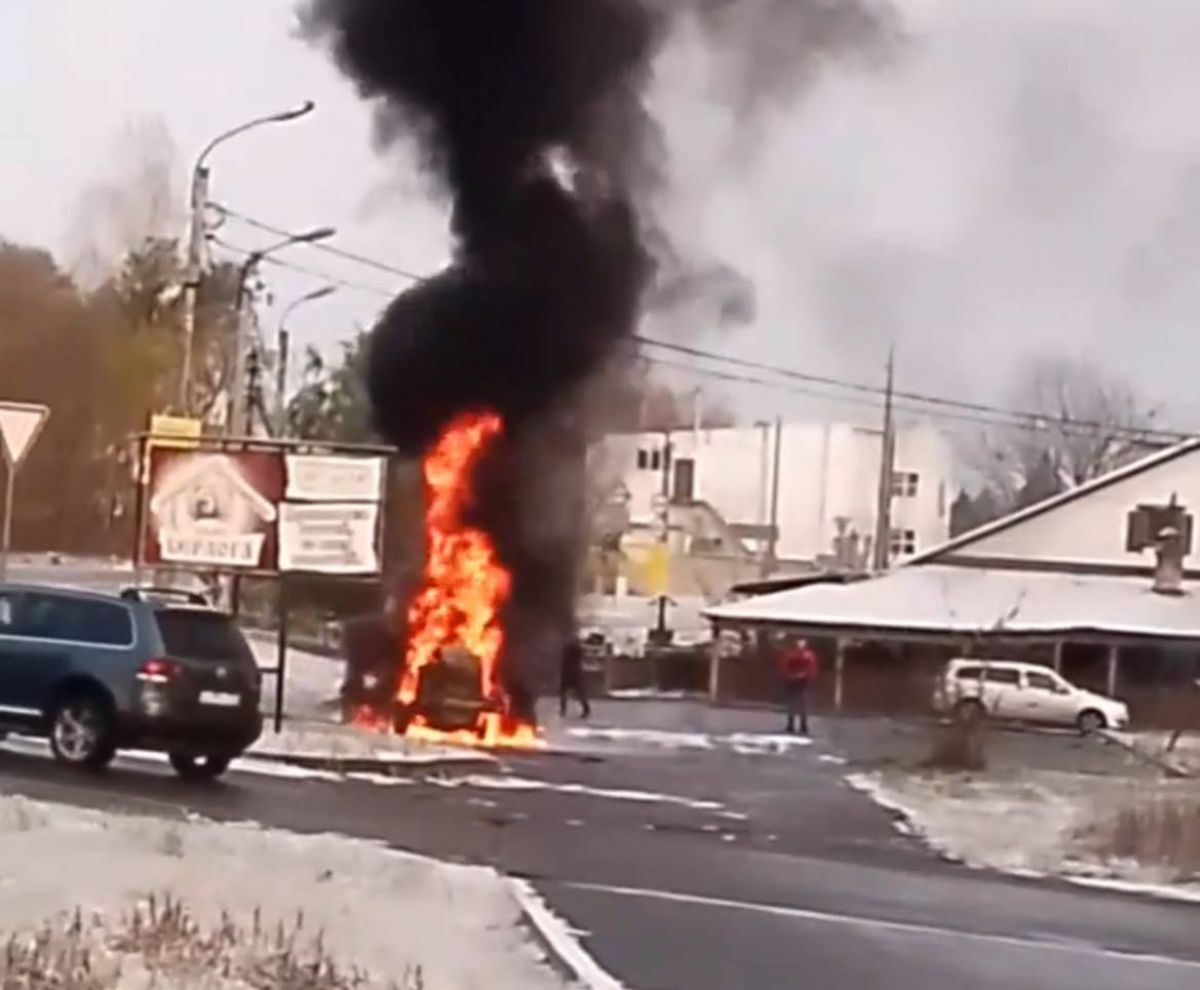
column 464, row 585
column 464, row 588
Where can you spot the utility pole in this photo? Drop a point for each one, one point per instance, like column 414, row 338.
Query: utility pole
column 197, row 235
column 664, row 535
column 772, row 553
column 283, row 348
column 192, row 276
column 239, row 388
column 887, row 468
column 282, row 360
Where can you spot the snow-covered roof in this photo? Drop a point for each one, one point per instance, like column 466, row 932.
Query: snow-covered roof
column 1140, row 466
column 965, row 600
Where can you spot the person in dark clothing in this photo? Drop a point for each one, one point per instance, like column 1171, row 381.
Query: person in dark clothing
column 571, row 677
column 798, row 665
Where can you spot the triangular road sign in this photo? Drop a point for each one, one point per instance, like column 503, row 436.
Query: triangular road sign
column 20, row 424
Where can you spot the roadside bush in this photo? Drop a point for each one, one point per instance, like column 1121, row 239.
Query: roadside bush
column 1161, row 833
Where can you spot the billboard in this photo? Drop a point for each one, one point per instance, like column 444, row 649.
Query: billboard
column 264, row 511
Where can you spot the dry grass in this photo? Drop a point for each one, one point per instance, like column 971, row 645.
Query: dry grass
column 1163, row 833
column 159, row 945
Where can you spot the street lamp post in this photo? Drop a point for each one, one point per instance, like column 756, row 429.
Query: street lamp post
column 283, row 349
column 237, row 392
column 198, row 200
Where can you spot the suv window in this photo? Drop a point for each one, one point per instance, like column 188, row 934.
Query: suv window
column 1043, row 682
column 39, row 615
column 1002, row 675
column 968, row 673
column 191, row 634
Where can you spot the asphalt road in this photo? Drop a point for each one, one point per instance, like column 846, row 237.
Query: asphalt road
column 764, row 872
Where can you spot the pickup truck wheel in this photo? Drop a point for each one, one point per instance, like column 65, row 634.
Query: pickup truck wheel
column 81, row 732
column 192, row 767
column 1091, row 721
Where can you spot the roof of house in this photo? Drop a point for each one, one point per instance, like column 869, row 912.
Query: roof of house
column 940, row 600
column 1137, row 467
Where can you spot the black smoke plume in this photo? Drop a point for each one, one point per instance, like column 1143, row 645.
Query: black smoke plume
column 529, row 114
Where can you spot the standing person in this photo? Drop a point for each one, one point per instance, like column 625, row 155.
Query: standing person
column 798, row 665
column 571, row 677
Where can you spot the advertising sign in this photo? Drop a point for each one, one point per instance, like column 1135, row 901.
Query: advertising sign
column 329, row 537
column 314, row 478
column 213, row 509
column 263, row 511
column 175, row 431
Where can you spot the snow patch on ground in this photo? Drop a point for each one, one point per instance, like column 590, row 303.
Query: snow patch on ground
column 311, row 683
column 496, row 783
column 378, row 909
column 744, row 743
column 1035, row 823
column 753, row 744
column 651, row 694
column 316, row 741
column 645, row 737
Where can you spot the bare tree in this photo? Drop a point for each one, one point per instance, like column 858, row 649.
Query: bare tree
column 1094, row 422
column 1086, row 424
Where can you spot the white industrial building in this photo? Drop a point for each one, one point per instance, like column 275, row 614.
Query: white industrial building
column 724, row 491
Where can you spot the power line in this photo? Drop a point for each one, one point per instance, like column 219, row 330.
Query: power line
column 331, row 249
column 1069, row 429
column 271, row 259
column 1036, row 420
column 1011, row 417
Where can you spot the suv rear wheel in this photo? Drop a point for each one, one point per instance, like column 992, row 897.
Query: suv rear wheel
column 192, row 767
column 81, row 732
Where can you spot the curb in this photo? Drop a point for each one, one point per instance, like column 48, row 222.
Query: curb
column 370, row 764
column 555, row 937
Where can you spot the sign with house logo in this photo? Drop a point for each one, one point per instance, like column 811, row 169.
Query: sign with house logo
column 213, row 509
column 263, row 511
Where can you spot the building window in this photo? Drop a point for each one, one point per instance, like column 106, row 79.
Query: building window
column 656, row 460
column 643, row 460
column 905, row 483
column 903, row 543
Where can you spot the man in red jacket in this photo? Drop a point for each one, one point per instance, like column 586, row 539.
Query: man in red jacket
column 798, row 665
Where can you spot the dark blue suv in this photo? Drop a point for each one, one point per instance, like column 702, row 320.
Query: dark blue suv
column 150, row 669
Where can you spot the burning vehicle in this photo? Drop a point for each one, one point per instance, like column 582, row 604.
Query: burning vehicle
column 530, row 120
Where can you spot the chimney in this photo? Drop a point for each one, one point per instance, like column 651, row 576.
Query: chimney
column 1167, row 530
column 1168, row 567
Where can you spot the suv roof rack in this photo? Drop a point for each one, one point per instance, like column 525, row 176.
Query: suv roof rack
column 178, row 594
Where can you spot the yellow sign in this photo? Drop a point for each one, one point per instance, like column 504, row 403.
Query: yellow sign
column 166, row 431
column 175, row 431
column 657, row 570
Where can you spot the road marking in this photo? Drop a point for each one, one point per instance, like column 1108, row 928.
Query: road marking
column 880, row 924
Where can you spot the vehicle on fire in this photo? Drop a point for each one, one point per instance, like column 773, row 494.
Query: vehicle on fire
column 150, row 668
column 449, row 695
column 371, row 646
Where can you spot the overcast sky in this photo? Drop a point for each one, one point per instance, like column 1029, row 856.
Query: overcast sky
column 1021, row 178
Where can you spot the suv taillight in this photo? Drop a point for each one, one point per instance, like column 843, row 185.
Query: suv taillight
column 156, row 671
